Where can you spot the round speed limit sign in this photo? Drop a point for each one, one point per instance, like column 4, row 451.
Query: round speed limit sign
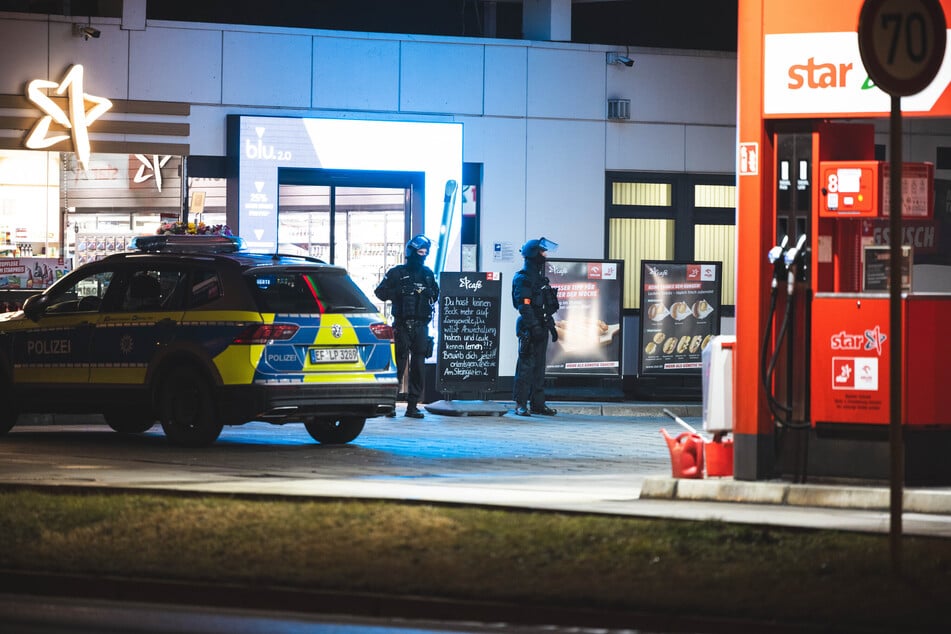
column 902, row 43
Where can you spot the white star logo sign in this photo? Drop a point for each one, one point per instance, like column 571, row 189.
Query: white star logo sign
column 78, row 119
column 155, row 165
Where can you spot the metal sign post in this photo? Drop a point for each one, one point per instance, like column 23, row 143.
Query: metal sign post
column 902, row 46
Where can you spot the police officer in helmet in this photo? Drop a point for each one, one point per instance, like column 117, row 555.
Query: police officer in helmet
column 536, row 302
column 412, row 289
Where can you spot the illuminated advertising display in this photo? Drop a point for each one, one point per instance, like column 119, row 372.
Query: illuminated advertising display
column 813, row 73
column 680, row 314
column 588, row 321
column 263, row 145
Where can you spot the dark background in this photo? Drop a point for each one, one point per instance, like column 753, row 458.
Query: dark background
column 680, row 24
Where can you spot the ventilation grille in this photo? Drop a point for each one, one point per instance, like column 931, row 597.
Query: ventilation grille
column 619, row 109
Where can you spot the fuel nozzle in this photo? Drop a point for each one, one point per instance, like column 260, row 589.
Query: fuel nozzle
column 795, row 261
column 776, row 258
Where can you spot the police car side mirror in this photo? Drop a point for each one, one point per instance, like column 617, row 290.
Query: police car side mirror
column 34, row 306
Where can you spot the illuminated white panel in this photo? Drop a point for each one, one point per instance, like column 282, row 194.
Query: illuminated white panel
column 267, row 143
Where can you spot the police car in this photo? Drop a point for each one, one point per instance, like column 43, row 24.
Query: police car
column 197, row 333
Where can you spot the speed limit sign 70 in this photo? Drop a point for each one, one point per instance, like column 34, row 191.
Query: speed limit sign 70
column 902, row 43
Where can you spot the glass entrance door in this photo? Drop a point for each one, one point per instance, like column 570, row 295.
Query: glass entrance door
column 360, row 228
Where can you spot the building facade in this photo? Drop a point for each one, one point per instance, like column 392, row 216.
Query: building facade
column 566, row 141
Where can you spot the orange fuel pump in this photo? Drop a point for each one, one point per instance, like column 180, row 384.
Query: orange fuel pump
column 851, row 340
column 825, row 356
column 802, row 91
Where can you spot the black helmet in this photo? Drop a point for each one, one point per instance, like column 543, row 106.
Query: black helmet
column 418, row 242
column 533, row 248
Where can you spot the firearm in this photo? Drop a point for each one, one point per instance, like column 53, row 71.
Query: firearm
column 525, row 345
column 550, row 299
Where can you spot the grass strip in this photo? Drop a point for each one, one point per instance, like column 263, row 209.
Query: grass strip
column 543, row 558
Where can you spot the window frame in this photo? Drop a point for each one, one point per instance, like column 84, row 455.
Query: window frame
column 682, row 210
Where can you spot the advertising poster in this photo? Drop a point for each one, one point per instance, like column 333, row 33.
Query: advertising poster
column 588, row 321
column 469, row 315
column 680, row 314
column 30, row 273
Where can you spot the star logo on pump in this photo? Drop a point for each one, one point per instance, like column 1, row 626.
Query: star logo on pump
column 125, row 344
column 75, row 119
column 874, row 340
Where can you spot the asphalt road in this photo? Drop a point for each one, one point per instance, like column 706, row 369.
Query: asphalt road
column 23, row 614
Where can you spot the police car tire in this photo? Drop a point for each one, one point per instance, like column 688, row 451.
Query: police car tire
column 188, row 409
column 129, row 423
column 328, row 431
column 8, row 413
column 7, row 421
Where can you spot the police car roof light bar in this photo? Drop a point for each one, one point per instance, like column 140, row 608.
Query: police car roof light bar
column 179, row 243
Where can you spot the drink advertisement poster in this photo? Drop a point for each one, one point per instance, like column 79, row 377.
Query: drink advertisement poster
column 588, row 322
column 680, row 314
column 30, row 273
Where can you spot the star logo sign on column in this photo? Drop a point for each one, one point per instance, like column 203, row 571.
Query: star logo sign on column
column 77, row 120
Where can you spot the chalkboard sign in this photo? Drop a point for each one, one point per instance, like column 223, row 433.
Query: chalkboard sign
column 469, row 314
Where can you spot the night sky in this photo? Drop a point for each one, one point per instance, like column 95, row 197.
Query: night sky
column 690, row 24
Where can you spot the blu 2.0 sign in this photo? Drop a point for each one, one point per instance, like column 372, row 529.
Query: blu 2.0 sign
column 680, row 314
column 902, row 43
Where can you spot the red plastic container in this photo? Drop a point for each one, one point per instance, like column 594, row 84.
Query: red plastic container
column 686, row 454
column 719, row 457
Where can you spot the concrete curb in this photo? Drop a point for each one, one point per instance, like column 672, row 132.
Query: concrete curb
column 937, row 502
column 627, row 408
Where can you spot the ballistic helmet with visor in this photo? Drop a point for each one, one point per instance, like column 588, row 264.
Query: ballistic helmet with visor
column 416, row 244
column 534, row 248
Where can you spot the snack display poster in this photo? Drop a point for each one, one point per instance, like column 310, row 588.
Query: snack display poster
column 680, row 314
column 469, row 316
column 94, row 246
column 588, row 321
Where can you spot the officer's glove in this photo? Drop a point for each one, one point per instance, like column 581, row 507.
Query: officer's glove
column 552, row 330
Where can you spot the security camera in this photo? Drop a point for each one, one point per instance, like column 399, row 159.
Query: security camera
column 85, row 31
column 614, row 58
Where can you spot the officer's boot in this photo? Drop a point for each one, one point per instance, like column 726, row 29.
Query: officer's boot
column 411, row 411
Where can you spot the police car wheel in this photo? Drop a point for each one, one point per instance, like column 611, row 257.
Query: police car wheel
column 328, row 431
column 7, row 420
column 188, row 409
column 129, row 423
column 8, row 413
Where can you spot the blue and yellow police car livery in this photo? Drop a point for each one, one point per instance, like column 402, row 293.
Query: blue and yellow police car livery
column 196, row 333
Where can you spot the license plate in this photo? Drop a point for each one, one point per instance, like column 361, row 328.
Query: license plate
column 333, row 355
